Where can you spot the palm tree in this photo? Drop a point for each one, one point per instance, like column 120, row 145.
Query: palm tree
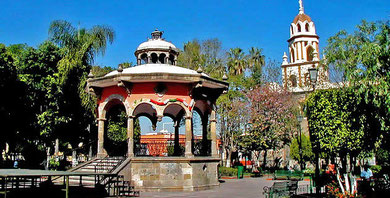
column 256, row 61
column 237, row 62
column 256, row 58
column 80, row 45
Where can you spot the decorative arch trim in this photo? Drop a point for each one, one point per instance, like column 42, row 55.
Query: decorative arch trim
column 103, row 106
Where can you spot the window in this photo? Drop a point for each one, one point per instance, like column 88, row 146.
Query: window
column 293, row 81
column 309, row 53
column 307, row 27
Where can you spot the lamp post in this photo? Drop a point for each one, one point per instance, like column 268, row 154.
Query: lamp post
column 313, row 73
column 300, row 139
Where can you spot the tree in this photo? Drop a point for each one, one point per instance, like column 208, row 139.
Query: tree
column 272, row 119
column 338, row 123
column 256, row 61
column 206, row 54
column 364, row 59
column 237, row 62
column 304, row 154
column 80, row 47
column 12, row 102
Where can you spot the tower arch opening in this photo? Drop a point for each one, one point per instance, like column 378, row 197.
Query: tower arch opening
column 161, row 58
column 307, row 27
column 309, row 53
column 154, row 57
column 144, row 58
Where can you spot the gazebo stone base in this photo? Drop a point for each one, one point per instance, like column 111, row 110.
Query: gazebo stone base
column 172, row 173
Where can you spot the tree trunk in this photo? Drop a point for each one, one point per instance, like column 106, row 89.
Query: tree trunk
column 264, row 159
column 343, row 164
column 228, row 157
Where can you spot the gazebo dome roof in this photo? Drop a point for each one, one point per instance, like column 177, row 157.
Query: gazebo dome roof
column 157, row 68
column 156, row 44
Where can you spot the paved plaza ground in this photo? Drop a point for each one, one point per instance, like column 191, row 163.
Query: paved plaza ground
column 247, row 187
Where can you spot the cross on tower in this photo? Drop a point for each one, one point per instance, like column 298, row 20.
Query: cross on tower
column 301, row 9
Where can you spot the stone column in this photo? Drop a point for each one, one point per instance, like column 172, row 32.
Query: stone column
column 130, row 136
column 213, row 131
column 205, row 142
column 188, row 151
column 101, row 152
column 177, row 139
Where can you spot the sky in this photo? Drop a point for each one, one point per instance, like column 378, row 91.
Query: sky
column 237, row 23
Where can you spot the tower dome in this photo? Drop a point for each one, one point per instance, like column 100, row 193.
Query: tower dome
column 302, row 24
column 156, row 50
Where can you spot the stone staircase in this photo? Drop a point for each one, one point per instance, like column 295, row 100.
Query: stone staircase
column 104, row 165
column 115, row 186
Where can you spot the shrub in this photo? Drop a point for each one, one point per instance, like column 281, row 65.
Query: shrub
column 308, row 171
column 226, row 171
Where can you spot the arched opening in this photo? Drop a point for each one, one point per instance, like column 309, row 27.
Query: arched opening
column 174, row 125
column 116, row 130
column 299, row 28
column 161, row 58
column 307, row 28
column 154, row 58
column 309, row 53
column 144, row 59
column 293, row 81
column 171, row 59
column 292, row 30
column 201, row 135
column 144, row 124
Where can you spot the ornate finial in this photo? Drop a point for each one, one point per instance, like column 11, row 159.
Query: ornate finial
column 157, row 34
column 224, row 77
column 90, row 75
column 200, row 70
column 120, row 68
column 285, row 59
column 301, row 9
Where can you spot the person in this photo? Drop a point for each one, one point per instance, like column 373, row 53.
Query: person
column 366, row 173
column 16, row 163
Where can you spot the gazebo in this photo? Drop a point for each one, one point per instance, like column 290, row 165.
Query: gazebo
column 155, row 88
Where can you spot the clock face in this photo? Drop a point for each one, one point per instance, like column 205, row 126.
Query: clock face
column 160, row 89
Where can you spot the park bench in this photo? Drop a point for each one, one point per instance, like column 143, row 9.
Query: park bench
column 281, row 189
column 288, row 175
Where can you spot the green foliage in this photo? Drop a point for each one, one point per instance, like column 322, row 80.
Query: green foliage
column 206, row 54
column 383, row 157
column 364, row 58
column 335, row 122
column 376, row 169
column 12, row 100
column 54, row 164
column 306, row 152
column 227, row 171
column 101, row 71
column 117, row 127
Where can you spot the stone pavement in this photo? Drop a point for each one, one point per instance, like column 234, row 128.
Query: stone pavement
column 247, row 187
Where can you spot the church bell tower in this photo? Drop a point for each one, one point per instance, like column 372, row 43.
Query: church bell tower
column 303, row 46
